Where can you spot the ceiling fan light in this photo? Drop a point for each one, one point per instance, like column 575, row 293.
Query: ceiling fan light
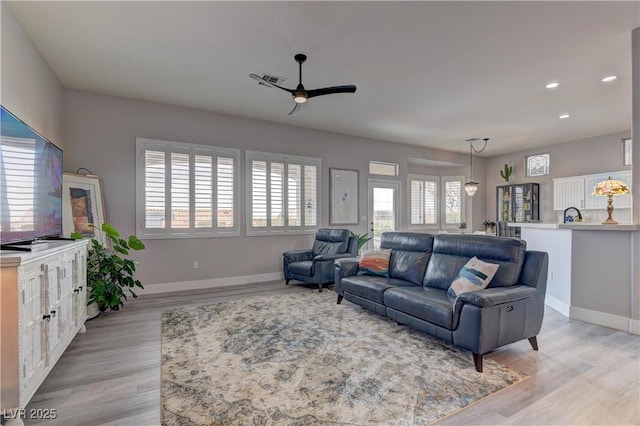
column 300, row 98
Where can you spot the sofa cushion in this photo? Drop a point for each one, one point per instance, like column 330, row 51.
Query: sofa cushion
column 474, row 275
column 371, row 287
column 301, row 268
column 409, row 256
column 451, row 252
column 331, row 241
column 375, row 262
column 428, row 304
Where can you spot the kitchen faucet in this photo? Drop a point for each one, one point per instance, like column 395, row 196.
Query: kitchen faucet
column 564, row 215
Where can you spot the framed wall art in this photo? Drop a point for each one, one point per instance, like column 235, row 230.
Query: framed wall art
column 82, row 206
column 343, row 200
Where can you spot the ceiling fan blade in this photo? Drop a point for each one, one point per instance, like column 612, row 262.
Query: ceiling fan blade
column 329, row 90
column 295, row 109
column 262, row 80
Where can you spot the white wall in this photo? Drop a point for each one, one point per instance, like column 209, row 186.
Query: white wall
column 582, row 157
column 28, row 87
column 635, row 125
column 101, row 132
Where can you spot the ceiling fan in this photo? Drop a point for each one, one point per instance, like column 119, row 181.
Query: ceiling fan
column 300, row 94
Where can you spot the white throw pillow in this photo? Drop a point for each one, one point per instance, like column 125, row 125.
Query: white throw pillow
column 473, row 276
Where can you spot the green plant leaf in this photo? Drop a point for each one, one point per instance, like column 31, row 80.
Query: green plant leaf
column 110, row 231
column 121, row 250
column 135, row 243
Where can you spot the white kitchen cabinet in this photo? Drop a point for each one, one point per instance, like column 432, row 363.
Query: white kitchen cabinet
column 43, row 306
column 575, row 191
column 568, row 192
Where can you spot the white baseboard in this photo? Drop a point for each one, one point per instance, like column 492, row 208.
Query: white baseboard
column 553, row 302
column 604, row 319
column 210, row 283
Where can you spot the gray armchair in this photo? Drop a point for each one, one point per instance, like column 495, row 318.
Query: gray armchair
column 315, row 266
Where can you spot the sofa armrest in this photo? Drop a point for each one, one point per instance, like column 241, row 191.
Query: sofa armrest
column 495, row 296
column 325, row 257
column 298, row 255
column 347, row 267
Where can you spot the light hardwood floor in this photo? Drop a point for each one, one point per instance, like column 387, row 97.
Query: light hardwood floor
column 583, row 374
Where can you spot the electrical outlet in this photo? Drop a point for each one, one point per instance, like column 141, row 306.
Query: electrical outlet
column 551, row 276
column 195, row 264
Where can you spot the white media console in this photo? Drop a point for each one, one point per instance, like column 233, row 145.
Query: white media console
column 43, row 305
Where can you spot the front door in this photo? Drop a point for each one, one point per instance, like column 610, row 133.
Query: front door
column 384, row 208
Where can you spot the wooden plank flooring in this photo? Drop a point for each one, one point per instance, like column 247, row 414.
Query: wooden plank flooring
column 582, row 375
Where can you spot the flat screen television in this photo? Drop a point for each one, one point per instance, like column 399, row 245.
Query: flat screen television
column 30, row 183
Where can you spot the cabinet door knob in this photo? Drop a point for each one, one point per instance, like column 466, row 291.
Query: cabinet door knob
column 77, row 290
column 53, row 314
column 46, row 317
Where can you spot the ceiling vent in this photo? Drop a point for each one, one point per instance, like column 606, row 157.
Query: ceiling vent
column 273, row 79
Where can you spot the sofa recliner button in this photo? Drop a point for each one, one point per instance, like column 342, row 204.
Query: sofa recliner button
column 509, row 308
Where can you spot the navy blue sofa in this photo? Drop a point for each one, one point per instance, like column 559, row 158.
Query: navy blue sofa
column 421, row 269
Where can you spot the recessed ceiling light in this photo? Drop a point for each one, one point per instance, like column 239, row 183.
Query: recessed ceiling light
column 564, row 116
column 609, row 79
column 552, row 85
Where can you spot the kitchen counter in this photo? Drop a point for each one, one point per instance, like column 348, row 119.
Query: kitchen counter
column 579, row 226
column 590, row 270
column 585, row 226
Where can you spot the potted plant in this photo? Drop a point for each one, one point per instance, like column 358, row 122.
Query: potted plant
column 489, row 226
column 462, row 226
column 109, row 271
column 362, row 239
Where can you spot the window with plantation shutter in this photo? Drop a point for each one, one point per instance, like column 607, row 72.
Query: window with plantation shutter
column 282, row 193
column 435, row 201
column 453, row 206
column 627, row 149
column 423, row 200
column 186, row 190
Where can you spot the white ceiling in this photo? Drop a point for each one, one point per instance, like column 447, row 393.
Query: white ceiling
column 428, row 73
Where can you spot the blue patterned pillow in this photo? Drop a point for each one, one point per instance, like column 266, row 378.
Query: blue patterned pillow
column 473, row 276
column 375, row 262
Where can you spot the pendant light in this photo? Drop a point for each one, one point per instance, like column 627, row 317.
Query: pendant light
column 471, row 187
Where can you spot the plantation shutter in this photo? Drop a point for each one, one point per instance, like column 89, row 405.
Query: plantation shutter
column 226, row 208
column 310, row 195
column 186, row 190
column 423, row 200
column 284, row 193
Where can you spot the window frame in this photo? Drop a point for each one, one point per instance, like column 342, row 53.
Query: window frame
column 171, row 147
column 395, row 166
column 627, row 160
column 413, row 177
column 548, row 165
column 287, row 160
column 443, row 207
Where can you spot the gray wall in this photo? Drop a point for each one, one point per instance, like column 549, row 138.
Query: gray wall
column 29, row 89
column 582, row 157
column 100, row 134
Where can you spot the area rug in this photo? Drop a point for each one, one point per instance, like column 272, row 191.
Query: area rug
column 300, row 359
